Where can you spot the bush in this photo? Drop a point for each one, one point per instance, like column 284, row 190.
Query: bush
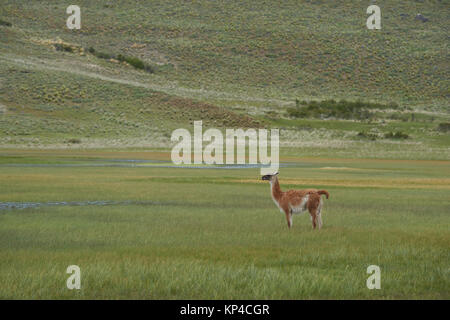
column 5, row 23
column 396, row 135
column 63, row 47
column 102, row 55
column 444, row 126
column 133, row 61
column 367, row 135
column 136, row 62
column 343, row 109
column 398, row 116
column 74, row 141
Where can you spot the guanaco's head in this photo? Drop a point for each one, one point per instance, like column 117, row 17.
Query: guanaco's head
column 270, row 177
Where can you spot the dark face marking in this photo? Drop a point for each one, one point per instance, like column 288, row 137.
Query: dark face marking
column 269, row 176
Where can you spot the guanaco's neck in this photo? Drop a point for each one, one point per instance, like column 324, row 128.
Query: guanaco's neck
column 276, row 190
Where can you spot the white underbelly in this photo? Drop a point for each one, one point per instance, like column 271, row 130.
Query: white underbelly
column 301, row 207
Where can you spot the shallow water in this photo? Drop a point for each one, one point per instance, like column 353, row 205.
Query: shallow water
column 27, row 205
column 116, row 163
column 127, row 163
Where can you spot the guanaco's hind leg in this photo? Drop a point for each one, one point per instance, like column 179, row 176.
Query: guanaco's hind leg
column 313, row 220
column 314, row 210
column 319, row 215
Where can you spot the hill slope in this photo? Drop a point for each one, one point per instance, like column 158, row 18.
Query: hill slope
column 236, row 58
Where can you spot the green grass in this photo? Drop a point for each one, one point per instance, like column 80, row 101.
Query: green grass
column 230, row 65
column 217, row 234
column 295, row 49
column 49, row 108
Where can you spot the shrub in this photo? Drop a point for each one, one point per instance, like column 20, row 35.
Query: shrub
column 396, row 135
column 133, row 61
column 444, row 126
column 136, row 62
column 398, row 116
column 63, row 47
column 356, row 110
column 5, row 23
column 102, row 55
column 367, row 135
column 74, row 141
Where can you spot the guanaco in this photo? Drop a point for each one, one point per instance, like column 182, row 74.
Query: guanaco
column 297, row 201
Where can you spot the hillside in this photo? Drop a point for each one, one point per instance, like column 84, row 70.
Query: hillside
column 230, row 63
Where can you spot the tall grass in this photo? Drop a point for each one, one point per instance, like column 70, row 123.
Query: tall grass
column 201, row 234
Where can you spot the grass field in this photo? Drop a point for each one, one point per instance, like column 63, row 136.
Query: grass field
column 215, row 233
column 86, row 118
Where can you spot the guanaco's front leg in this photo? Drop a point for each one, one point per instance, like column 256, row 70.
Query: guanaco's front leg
column 288, row 214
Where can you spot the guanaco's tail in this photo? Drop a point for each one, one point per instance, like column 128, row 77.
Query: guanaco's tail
column 324, row 192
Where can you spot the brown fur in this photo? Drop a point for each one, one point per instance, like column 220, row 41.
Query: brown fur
column 293, row 199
